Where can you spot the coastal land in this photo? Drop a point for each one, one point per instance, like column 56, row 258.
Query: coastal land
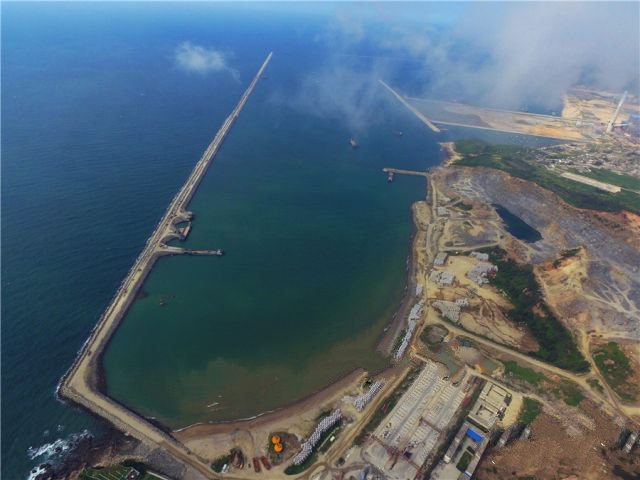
column 487, row 338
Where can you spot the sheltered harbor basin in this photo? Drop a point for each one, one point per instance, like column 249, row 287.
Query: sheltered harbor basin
column 316, row 244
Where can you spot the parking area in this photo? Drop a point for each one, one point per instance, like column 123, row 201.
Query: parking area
column 411, row 431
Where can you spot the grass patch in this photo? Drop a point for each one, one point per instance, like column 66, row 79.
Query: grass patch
column 527, row 374
column 607, row 176
column 557, row 345
column 520, row 161
column 530, row 410
column 220, row 462
column 595, row 384
column 571, row 393
column 387, row 405
column 398, row 340
column 566, row 254
column 463, row 206
column 616, row 369
column 114, row 472
column 465, row 460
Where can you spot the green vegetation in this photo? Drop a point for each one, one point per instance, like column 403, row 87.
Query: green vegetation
column 398, row 340
column 571, row 393
column 387, row 405
column 566, row 254
column 616, row 369
column 465, row 459
column 324, row 445
column 595, row 384
column 530, row 410
column 220, row 462
column 116, row 472
column 527, row 374
column 433, row 336
column 519, row 284
column 607, row 176
column 521, row 162
column 463, row 206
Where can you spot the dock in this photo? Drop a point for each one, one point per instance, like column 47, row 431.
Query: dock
column 81, row 384
column 398, row 171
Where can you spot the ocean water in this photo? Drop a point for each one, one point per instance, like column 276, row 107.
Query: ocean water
column 100, row 129
column 316, row 244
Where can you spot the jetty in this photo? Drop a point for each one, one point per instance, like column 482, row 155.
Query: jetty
column 81, row 383
column 399, row 171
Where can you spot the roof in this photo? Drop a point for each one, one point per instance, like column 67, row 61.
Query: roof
column 475, row 436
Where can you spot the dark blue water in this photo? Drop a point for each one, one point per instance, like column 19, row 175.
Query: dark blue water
column 100, row 128
column 518, row 227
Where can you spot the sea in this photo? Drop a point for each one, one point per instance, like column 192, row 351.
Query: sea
column 101, row 125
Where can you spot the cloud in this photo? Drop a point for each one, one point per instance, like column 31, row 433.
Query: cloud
column 506, row 55
column 202, row 60
column 342, row 92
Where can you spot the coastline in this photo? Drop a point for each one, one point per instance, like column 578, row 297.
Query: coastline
column 81, row 384
column 84, row 384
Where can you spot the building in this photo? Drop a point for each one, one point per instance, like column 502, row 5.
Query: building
column 481, row 272
column 490, row 406
column 440, row 259
column 442, row 278
column 483, row 257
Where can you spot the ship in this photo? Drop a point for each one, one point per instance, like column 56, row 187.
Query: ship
column 390, row 177
column 398, row 133
column 353, row 142
column 219, row 252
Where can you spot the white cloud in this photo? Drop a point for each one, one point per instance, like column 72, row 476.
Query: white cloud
column 202, row 60
column 506, row 54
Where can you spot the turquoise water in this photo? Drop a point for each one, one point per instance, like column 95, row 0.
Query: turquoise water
column 100, row 129
column 316, row 245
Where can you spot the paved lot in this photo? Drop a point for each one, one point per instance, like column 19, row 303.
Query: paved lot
column 411, row 431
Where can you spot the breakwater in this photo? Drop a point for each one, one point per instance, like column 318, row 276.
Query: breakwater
column 81, row 382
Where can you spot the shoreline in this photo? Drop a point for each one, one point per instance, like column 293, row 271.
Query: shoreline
column 83, row 383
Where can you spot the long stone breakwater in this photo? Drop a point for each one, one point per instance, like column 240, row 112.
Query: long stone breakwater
column 81, row 383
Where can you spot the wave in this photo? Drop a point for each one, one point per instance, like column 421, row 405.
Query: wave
column 54, row 453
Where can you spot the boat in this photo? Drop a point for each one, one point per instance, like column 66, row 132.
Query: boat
column 398, row 133
column 390, row 177
column 353, row 142
column 219, row 252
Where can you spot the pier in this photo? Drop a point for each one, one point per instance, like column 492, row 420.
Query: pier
column 81, row 384
column 216, row 252
column 398, row 171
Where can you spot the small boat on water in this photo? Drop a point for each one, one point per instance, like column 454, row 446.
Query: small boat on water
column 353, row 142
column 390, row 177
column 398, row 133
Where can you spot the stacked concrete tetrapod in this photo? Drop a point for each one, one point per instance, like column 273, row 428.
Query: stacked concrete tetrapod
column 325, row 424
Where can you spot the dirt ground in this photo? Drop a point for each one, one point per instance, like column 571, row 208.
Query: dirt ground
column 551, row 453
